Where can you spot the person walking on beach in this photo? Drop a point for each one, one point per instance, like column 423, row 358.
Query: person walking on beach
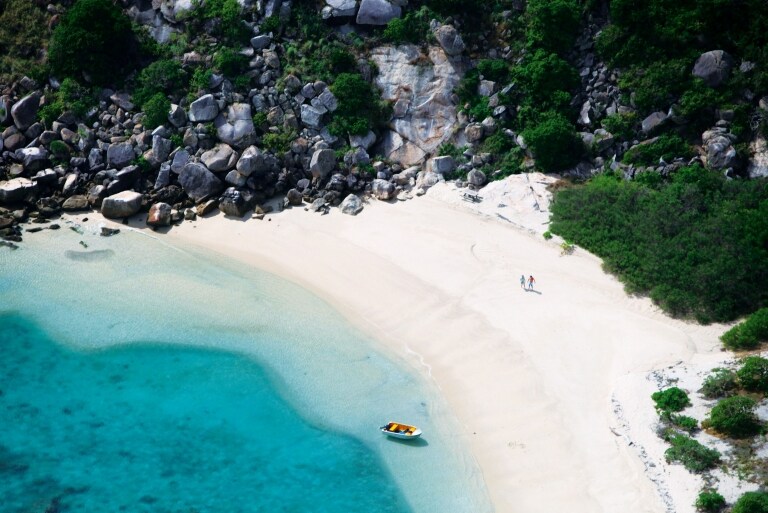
column 522, row 281
column 531, row 281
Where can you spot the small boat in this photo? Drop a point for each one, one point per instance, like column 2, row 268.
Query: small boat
column 399, row 430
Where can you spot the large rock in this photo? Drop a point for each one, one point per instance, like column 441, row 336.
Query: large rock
column 713, row 67
column 443, row 165
column 426, row 179
column 159, row 215
column 236, row 127
column 653, row 121
column 476, row 177
column 120, row 155
column 429, row 116
column 449, row 39
column 251, row 161
column 176, row 116
column 75, row 203
column 198, row 182
column 382, row 189
column 294, row 197
column 758, row 163
column 33, row 159
column 24, row 111
column 351, row 205
column 221, row 158
column 312, row 116
column 322, row 163
column 377, row 12
column 339, row 8
column 234, row 203
column 16, row 189
column 719, row 147
column 203, row 109
column 122, row 204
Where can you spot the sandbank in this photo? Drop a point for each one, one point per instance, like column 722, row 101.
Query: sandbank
column 530, row 375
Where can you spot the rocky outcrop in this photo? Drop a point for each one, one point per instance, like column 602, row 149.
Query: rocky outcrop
column 236, row 126
column 220, row 158
column 122, row 204
column 758, row 164
column 159, row 215
column 24, row 111
column 352, row 205
column 449, row 39
column 713, row 67
column 198, row 182
column 719, row 150
column 203, row 109
column 16, row 190
column 378, row 12
column 422, row 87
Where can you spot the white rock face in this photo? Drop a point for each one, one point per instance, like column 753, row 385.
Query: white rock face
column 758, row 164
column 423, row 88
column 377, row 12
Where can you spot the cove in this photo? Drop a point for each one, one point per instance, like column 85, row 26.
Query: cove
column 161, row 428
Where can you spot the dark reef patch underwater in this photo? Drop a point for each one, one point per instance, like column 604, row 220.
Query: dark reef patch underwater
column 160, row 428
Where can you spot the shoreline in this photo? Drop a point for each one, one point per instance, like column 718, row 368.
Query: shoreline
column 529, row 375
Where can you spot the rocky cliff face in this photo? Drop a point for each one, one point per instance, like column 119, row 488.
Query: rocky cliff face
column 239, row 141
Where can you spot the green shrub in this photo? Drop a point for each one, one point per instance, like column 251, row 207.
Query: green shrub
column 656, row 86
column 709, row 501
column 229, row 62
column 227, row 17
column 751, row 502
column 698, row 104
column 547, row 235
column 671, row 399
column 676, row 241
column 753, row 374
column 554, row 143
column 270, row 24
column 359, row 109
column 494, row 69
column 411, row 28
column 552, row 24
column 94, row 39
column 665, row 146
column 542, row 74
column 450, row 150
column 23, row 33
column 162, row 76
column 720, row 383
column 621, row 125
column 748, row 334
column 200, row 81
column 278, row 142
column 684, row 422
column 60, row 150
column 71, row 97
column 735, row 417
column 498, row 143
column 693, row 455
column 156, row 111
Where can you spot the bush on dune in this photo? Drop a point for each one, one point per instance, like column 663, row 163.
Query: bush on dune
column 696, row 243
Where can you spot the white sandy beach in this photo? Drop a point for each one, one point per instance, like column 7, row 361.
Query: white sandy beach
column 529, row 375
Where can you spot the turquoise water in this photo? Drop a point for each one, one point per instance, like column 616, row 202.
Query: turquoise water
column 156, row 379
column 157, row 428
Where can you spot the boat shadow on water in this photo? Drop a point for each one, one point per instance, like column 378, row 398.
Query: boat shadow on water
column 418, row 442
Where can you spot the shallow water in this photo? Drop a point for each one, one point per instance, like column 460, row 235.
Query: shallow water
column 185, row 421
column 162, row 428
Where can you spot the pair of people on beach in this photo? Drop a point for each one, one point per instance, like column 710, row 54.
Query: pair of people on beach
column 531, row 281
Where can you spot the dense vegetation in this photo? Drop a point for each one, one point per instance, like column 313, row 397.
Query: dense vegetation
column 671, row 399
column 751, row 502
column 93, row 42
column 23, row 33
column 748, row 334
column 697, row 243
column 735, row 417
column 709, row 501
column 691, row 454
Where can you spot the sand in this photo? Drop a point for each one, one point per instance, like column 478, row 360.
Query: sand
column 530, row 375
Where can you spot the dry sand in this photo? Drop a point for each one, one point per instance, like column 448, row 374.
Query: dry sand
column 530, row 376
